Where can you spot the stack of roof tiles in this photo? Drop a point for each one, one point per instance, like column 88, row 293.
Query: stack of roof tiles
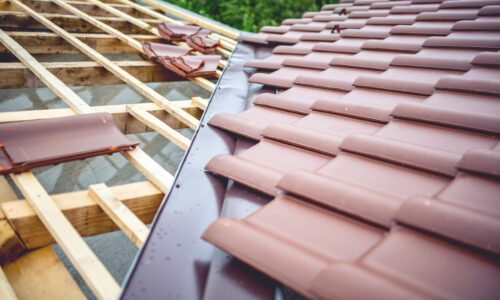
column 382, row 154
column 176, row 59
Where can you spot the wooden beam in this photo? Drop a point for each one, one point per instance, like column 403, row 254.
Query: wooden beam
column 123, row 120
column 6, row 290
column 47, row 6
column 119, row 213
column 199, row 102
column 139, row 86
column 10, row 245
column 142, row 198
column 15, row 20
column 159, row 126
column 83, row 73
column 40, row 274
column 50, row 43
column 151, row 169
column 56, row 85
column 233, row 34
column 97, row 277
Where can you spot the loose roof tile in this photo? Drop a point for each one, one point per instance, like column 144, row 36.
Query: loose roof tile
column 31, row 144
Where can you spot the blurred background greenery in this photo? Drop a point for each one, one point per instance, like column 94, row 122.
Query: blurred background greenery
column 250, row 15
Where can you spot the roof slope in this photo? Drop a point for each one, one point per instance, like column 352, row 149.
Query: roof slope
column 382, row 155
column 386, row 145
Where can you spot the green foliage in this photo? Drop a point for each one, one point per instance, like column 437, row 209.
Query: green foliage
column 250, row 15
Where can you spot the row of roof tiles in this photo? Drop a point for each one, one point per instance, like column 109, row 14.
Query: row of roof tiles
column 382, row 153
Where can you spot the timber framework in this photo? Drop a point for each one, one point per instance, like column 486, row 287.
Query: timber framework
column 30, row 268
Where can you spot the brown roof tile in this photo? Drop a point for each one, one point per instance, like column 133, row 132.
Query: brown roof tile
column 31, row 144
column 383, row 153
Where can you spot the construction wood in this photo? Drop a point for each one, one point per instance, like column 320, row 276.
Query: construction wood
column 119, row 213
column 159, row 126
column 151, row 169
column 83, row 73
column 56, row 85
column 10, row 245
column 50, row 43
column 233, row 34
column 124, row 121
column 199, row 102
column 40, row 274
column 47, row 6
column 81, row 256
column 116, row 70
column 142, row 198
column 6, row 192
column 16, row 20
column 6, row 290
column 123, row 37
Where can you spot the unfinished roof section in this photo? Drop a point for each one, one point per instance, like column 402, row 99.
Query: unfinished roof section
column 40, row 137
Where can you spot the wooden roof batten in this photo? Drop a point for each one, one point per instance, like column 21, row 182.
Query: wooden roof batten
column 30, row 225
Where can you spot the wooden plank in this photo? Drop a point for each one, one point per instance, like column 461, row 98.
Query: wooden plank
column 124, row 121
column 6, row 290
column 56, row 85
column 119, row 213
column 233, row 34
column 83, row 73
column 6, row 192
column 116, row 70
column 151, row 169
column 97, row 277
column 50, row 43
column 40, row 274
column 199, row 102
column 15, row 20
column 47, row 6
column 10, row 245
column 142, row 198
column 123, row 37
column 159, row 126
